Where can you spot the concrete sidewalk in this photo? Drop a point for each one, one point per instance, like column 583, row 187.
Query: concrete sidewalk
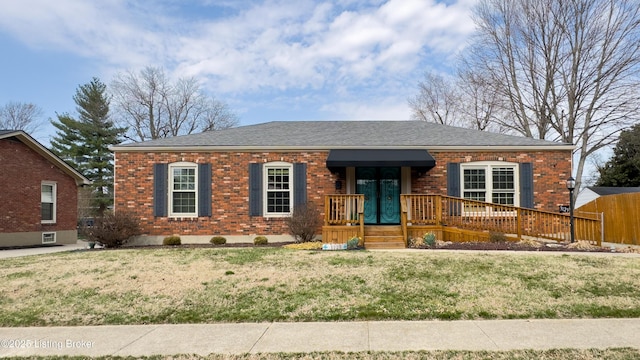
column 204, row 339
column 12, row 253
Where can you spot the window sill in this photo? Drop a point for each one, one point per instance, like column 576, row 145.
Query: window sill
column 183, row 218
column 276, row 216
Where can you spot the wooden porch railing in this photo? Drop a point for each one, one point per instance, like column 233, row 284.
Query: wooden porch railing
column 475, row 215
column 344, row 209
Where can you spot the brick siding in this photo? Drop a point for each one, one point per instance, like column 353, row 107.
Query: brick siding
column 21, row 175
column 230, row 185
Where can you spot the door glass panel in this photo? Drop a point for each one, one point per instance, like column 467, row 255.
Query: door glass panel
column 367, row 184
column 389, row 195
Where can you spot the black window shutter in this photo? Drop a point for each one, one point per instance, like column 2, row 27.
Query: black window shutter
column 526, row 185
column 299, row 184
column 453, row 179
column 255, row 189
column 204, row 189
column 160, row 180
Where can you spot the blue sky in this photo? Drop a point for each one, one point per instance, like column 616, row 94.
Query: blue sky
column 268, row 59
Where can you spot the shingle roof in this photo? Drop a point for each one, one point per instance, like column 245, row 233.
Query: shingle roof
column 607, row 190
column 354, row 134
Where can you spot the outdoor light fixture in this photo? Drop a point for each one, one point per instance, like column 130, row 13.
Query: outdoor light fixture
column 571, row 185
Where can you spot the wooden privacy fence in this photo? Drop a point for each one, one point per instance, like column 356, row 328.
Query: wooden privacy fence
column 621, row 216
column 443, row 210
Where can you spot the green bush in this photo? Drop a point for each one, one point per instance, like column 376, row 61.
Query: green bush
column 429, row 239
column 218, row 240
column 352, row 243
column 497, row 237
column 112, row 230
column 172, row 240
column 260, row 240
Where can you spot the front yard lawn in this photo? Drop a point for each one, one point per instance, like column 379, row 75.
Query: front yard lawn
column 144, row 286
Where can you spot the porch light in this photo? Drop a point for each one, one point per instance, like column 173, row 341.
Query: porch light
column 571, row 185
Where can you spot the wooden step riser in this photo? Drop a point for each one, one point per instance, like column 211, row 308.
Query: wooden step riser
column 383, row 238
column 385, row 245
column 383, row 231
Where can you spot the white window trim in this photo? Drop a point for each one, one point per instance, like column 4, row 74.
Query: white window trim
column 488, row 167
column 265, row 180
column 54, row 194
column 49, row 233
column 172, row 166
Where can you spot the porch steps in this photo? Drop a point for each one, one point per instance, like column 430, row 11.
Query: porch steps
column 383, row 237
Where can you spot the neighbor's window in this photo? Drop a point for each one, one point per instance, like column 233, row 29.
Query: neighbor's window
column 48, row 238
column 48, row 202
column 490, row 182
column 279, row 189
column 183, row 189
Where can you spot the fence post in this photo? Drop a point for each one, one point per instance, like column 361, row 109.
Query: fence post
column 519, row 222
column 601, row 228
column 438, row 209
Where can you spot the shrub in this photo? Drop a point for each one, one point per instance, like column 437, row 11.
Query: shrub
column 260, row 240
column 352, row 243
column 218, row 240
column 304, row 222
column 429, row 239
column 112, row 230
column 172, row 240
column 497, row 237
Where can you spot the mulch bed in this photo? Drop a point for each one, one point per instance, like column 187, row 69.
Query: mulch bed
column 481, row 246
column 513, row 246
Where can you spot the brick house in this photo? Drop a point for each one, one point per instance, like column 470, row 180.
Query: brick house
column 242, row 182
column 39, row 204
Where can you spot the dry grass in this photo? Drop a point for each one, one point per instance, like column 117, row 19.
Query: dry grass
column 530, row 242
column 267, row 284
column 582, row 245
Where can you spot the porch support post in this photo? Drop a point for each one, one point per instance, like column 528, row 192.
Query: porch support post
column 438, row 200
column 326, row 210
column 361, row 215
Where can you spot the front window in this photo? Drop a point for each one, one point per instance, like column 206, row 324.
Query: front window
column 183, row 188
column 278, row 189
column 490, row 182
column 504, row 186
column 48, row 203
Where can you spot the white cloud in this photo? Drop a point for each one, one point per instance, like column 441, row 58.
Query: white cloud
column 379, row 109
column 258, row 46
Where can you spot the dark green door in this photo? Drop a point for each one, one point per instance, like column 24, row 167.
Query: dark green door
column 381, row 189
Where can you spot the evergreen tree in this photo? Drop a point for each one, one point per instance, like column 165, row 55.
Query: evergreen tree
column 84, row 142
column 623, row 169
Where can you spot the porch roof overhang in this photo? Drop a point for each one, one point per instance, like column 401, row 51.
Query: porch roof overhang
column 415, row 158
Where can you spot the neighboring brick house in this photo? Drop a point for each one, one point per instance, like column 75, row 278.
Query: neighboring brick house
column 39, row 201
column 242, row 182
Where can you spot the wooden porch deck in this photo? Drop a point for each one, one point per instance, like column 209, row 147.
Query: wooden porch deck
column 451, row 219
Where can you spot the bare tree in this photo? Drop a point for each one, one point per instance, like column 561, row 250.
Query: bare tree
column 559, row 70
column 465, row 101
column 437, row 100
column 153, row 107
column 20, row 116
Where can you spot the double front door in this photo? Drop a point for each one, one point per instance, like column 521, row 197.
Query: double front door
column 381, row 189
